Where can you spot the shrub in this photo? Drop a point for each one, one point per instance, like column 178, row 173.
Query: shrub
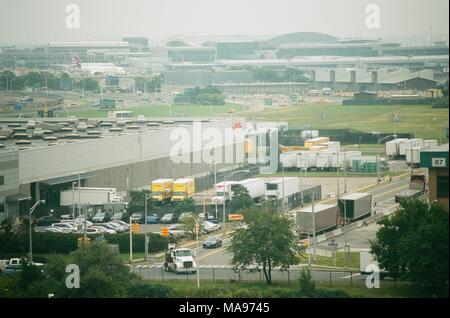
column 441, row 102
column 330, row 293
column 307, row 286
column 145, row 290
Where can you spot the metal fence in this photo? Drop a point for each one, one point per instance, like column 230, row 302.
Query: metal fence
column 329, row 278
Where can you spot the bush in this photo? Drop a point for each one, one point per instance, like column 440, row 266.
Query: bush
column 58, row 243
column 441, row 102
column 330, row 293
column 144, row 290
column 307, row 286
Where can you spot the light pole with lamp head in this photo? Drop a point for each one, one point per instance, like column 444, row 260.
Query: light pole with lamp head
column 146, row 197
column 29, row 221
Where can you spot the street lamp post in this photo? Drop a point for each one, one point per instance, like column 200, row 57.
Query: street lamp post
column 73, row 199
column 146, row 197
column 29, row 221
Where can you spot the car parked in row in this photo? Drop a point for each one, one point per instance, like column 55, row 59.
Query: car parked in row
column 152, row 219
column 168, row 218
column 46, row 221
column 137, row 218
column 100, row 218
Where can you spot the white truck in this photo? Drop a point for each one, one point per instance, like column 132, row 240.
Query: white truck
column 276, row 188
column 88, row 195
column 254, row 186
column 179, row 260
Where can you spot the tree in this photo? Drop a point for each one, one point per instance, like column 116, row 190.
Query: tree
column 189, row 224
column 267, row 241
column 241, row 199
column 187, row 205
column 137, row 202
column 413, row 244
column 102, row 273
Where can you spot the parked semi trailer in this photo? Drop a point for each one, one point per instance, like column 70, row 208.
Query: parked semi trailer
column 281, row 187
column 88, row 195
column 254, row 186
column 355, row 206
column 325, row 215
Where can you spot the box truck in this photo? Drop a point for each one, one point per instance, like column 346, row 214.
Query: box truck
column 254, row 186
column 355, row 206
column 325, row 215
column 162, row 189
column 88, row 196
column 276, row 188
column 183, row 188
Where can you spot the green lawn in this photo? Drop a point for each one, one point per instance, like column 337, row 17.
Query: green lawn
column 317, row 174
column 329, row 261
column 162, row 111
column 422, row 120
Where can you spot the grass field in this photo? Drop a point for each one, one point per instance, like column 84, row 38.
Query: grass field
column 317, row 174
column 422, row 120
column 162, row 111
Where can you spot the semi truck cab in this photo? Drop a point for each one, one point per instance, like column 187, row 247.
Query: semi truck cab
column 179, row 260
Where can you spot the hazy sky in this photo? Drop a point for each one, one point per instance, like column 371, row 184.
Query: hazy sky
column 44, row 20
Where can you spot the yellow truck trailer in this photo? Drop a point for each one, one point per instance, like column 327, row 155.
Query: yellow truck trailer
column 183, row 188
column 162, row 189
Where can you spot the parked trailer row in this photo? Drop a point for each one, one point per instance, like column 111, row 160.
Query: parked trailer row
column 401, row 146
column 322, row 160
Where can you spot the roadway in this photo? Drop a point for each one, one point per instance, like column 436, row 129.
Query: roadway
column 219, row 260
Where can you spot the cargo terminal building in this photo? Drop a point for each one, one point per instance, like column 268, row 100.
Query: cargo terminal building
column 123, row 157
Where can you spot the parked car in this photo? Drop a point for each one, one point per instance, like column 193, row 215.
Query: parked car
column 209, row 227
column 46, row 221
column 168, row 218
column 65, row 227
column 117, row 227
column 109, row 226
column 137, row 217
column 152, row 219
column 119, row 216
column 100, row 218
column 212, row 242
column 93, row 231
column 104, row 229
column 124, row 224
column 184, row 216
column 67, row 217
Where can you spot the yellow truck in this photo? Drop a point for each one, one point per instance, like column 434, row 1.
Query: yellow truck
column 162, row 189
column 183, row 188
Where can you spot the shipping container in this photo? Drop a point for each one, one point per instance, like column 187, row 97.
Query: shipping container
column 323, row 160
column 332, row 145
column 289, row 159
column 430, row 143
column 355, row 206
column 326, row 217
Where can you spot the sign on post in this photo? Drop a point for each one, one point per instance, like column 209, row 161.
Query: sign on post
column 236, row 217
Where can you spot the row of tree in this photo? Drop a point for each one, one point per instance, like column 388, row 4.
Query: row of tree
column 51, row 81
column 273, row 76
column 202, row 96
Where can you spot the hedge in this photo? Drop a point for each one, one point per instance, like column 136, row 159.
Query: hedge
column 59, row 243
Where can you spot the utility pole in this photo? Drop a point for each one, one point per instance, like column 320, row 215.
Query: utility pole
column 345, row 172
column 337, row 176
column 282, row 200
column 131, row 243
column 79, row 193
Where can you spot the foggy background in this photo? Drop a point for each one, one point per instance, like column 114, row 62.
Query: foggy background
column 24, row 22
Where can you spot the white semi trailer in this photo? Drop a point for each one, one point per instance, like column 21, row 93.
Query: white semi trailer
column 88, row 195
